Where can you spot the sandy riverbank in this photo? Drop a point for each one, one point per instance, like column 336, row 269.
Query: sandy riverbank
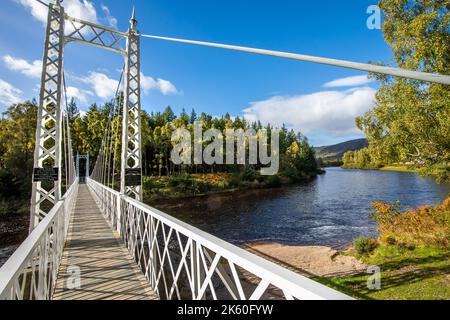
column 309, row 260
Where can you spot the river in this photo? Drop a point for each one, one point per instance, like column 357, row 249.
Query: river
column 332, row 210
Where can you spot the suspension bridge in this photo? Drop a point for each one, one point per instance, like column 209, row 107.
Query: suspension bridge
column 92, row 238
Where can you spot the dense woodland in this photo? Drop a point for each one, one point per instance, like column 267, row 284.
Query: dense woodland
column 410, row 123
column 17, row 141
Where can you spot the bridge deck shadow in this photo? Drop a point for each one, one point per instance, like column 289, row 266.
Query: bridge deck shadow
column 108, row 271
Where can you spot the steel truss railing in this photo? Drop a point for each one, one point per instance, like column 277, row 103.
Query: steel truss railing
column 31, row 272
column 183, row 262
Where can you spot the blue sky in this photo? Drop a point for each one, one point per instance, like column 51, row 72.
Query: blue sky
column 321, row 101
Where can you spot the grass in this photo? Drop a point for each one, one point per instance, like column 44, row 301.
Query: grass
column 399, row 169
column 413, row 253
column 406, row 274
column 188, row 185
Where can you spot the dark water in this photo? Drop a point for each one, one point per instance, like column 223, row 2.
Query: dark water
column 331, row 211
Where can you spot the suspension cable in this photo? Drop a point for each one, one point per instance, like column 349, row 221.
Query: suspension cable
column 68, row 152
column 417, row 75
column 398, row 72
column 102, row 170
column 43, row 3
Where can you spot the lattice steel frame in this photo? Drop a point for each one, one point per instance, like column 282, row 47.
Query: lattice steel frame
column 49, row 127
column 48, row 150
column 95, row 35
column 131, row 133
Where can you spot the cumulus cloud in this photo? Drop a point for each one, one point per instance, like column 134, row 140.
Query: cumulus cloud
column 80, row 95
column 32, row 70
column 103, row 86
column 164, row 86
column 76, row 8
column 9, row 94
column 349, row 82
column 330, row 113
column 112, row 21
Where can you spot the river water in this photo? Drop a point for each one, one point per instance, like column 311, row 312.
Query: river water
column 331, row 210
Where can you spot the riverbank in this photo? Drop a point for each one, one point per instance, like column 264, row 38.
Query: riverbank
column 419, row 273
column 399, row 169
column 412, row 254
column 198, row 185
column 309, row 260
column 440, row 172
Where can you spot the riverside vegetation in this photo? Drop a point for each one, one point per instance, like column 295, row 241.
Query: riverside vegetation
column 410, row 123
column 412, row 251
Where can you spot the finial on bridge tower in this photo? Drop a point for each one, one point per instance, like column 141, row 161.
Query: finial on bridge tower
column 133, row 20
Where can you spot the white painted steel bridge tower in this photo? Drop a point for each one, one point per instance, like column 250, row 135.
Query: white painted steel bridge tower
column 48, row 158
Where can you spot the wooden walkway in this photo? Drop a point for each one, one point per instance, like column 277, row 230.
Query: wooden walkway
column 107, row 270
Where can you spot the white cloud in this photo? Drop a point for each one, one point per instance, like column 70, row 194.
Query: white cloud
column 112, row 21
column 80, row 95
column 349, row 82
column 9, row 94
column 103, row 86
column 32, row 70
column 83, row 9
column 330, row 113
column 164, row 86
column 38, row 11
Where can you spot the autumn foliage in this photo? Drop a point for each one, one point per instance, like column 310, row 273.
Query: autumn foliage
column 426, row 225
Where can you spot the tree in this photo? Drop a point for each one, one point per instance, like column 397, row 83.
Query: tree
column 17, row 143
column 72, row 111
column 193, row 117
column 411, row 119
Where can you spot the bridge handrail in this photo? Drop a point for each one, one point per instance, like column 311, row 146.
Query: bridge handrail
column 29, row 274
column 135, row 217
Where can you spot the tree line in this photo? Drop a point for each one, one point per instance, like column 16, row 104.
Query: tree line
column 18, row 129
column 410, row 123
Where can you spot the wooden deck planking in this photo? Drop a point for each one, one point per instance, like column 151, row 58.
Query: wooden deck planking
column 108, row 271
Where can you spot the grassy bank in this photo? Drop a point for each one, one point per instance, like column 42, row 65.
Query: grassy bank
column 420, row 273
column 413, row 253
column 189, row 185
column 440, row 172
column 399, row 169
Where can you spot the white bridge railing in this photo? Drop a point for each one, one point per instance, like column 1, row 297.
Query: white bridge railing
column 183, row 262
column 31, row 272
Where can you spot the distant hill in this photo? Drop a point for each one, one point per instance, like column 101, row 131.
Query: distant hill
column 336, row 152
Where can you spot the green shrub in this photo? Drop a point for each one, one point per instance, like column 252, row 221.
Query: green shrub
column 234, row 180
column 364, row 245
column 273, row 181
column 249, row 174
column 390, row 240
column 150, row 183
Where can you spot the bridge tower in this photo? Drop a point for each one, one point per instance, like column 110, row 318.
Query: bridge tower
column 131, row 162
column 47, row 173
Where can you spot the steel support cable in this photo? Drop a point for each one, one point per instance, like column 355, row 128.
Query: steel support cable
column 101, row 167
column 43, row 3
column 113, row 136
column 398, row 72
column 116, row 137
column 107, row 164
column 65, row 132
column 70, row 163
